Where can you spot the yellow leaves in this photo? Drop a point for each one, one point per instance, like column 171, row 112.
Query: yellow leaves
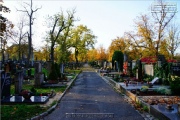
column 120, row 44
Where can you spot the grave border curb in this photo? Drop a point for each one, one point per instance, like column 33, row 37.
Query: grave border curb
column 133, row 97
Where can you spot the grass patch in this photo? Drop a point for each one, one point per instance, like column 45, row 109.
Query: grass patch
column 20, row 111
column 24, row 111
column 73, row 71
column 40, row 90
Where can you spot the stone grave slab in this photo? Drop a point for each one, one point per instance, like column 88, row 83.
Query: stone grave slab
column 20, row 99
column 171, row 114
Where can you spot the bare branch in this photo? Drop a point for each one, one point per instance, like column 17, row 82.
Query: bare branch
column 36, row 9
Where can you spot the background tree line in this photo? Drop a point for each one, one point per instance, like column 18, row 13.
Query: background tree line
column 154, row 34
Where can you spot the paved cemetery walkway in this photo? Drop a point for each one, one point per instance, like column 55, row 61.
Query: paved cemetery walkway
column 90, row 98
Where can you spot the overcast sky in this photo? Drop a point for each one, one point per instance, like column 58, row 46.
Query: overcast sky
column 107, row 19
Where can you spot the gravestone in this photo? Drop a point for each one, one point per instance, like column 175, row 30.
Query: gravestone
column 38, row 67
column 133, row 64
column 139, row 69
column 125, row 58
column 0, row 65
column 49, row 66
column 109, row 64
column 161, row 58
column 18, row 81
column 29, row 72
column 24, row 72
column 39, row 76
column 105, row 64
column 176, row 70
column 116, row 66
column 5, row 84
column 149, row 69
column 62, row 68
column 7, row 67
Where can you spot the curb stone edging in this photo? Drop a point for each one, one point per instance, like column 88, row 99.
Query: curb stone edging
column 51, row 109
column 135, row 98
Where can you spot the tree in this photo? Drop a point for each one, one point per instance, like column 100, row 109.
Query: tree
column 147, row 37
column 173, row 39
column 19, row 35
column 60, row 22
column 119, row 58
column 82, row 40
column 162, row 18
column 3, row 28
column 31, row 20
column 164, row 49
column 101, row 53
column 142, row 38
column 120, row 44
column 92, row 55
column 13, row 50
column 64, row 40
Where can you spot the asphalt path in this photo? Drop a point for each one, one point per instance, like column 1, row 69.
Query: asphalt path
column 91, row 98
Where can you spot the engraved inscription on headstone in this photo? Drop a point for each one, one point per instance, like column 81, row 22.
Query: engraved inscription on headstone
column 5, row 84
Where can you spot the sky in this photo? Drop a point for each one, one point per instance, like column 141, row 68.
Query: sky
column 107, row 19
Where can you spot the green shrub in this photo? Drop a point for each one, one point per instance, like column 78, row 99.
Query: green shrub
column 116, row 78
column 161, row 90
column 168, row 92
column 175, row 84
column 144, row 88
column 145, row 108
column 148, row 78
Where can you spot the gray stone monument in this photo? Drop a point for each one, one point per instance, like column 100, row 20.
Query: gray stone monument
column 39, row 76
column 38, row 67
column 49, row 66
column 18, row 81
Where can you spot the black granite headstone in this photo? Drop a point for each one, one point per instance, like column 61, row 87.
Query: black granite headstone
column 29, row 72
column 139, row 69
column 176, row 70
column 5, row 84
column 161, row 58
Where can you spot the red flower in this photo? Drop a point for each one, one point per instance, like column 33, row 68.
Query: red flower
column 172, row 61
column 149, row 59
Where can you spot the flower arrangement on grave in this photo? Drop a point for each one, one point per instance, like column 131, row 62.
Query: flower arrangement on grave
column 149, row 60
column 171, row 61
column 26, row 94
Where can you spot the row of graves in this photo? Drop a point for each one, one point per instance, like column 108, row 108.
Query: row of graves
column 15, row 73
column 143, row 66
column 163, row 106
